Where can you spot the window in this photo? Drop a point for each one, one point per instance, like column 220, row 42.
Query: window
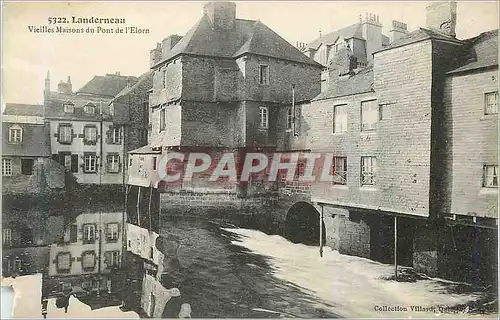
column 130, row 161
column 491, row 103
column 162, row 119
column 490, row 176
column 88, row 233
column 289, row 118
column 368, row 168
column 114, row 258
column 154, row 163
column 15, row 134
column 264, row 117
column 369, row 115
column 89, row 135
column 113, row 163
column 384, row 112
column 69, row 107
column 263, row 74
column 17, row 265
column 339, row 170
column 73, row 233
column 7, row 167
column 112, row 232
column 89, row 163
column 164, row 77
column 63, row 262
column 27, row 166
column 114, row 135
column 90, row 108
column 88, row 260
column 65, row 134
column 340, row 118
column 67, row 162
column 6, row 236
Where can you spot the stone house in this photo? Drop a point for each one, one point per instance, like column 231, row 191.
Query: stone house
column 225, row 86
column 404, row 133
column 83, row 137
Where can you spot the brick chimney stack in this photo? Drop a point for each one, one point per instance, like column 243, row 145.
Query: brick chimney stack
column 372, row 33
column 442, row 17
column 398, row 29
column 221, row 14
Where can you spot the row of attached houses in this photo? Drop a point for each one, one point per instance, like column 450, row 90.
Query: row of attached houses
column 411, row 119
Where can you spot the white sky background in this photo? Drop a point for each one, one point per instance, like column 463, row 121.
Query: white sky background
column 26, row 56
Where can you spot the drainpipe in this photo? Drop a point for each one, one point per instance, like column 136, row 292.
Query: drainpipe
column 293, row 112
column 321, row 233
column 396, row 248
column 100, row 143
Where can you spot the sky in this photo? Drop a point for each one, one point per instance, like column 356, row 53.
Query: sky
column 27, row 56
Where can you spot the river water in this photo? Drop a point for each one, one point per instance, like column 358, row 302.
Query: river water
column 224, row 271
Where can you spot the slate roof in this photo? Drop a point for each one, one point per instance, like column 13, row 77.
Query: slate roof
column 352, row 31
column 144, row 77
column 35, row 142
column 247, row 36
column 109, row 85
column 419, row 35
column 361, row 82
column 19, row 109
column 482, row 52
column 54, row 107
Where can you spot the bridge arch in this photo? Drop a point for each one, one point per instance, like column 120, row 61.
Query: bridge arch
column 302, row 224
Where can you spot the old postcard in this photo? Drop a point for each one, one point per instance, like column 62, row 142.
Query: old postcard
column 250, row 159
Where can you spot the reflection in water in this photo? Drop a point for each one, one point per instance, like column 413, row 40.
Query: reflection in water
column 103, row 262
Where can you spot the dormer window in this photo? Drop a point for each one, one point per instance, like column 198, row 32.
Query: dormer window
column 90, row 108
column 15, row 134
column 69, row 107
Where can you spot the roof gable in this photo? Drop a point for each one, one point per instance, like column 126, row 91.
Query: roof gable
column 482, row 52
column 109, row 85
column 20, row 109
column 247, row 36
column 361, row 82
column 352, row 31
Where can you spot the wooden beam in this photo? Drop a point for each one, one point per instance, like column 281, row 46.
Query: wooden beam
column 321, row 233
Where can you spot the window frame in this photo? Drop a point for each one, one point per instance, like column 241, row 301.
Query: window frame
column 6, row 236
column 372, row 173
column 493, row 175
column 90, row 139
column 87, row 107
column 289, row 118
column 343, row 173
column 85, row 238
column 89, row 253
column 89, row 157
column 264, row 80
column 264, row 110
column 6, row 173
column 15, row 138
column 65, row 131
column 486, row 95
column 376, row 114
column 110, row 234
column 58, row 265
column 110, row 157
column 344, row 105
column 115, row 136
column 114, row 257
column 163, row 122
column 66, row 107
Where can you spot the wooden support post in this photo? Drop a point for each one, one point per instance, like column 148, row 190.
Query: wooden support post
column 396, row 248
column 321, row 233
column 149, row 207
column 138, row 206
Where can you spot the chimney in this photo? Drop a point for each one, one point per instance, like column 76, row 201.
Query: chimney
column 168, row 43
column 70, row 86
column 442, row 17
column 46, row 90
column 65, row 87
column 221, row 14
column 155, row 55
column 342, row 65
column 398, row 30
column 372, row 33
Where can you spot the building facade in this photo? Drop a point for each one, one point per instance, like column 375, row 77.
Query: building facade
column 404, row 134
column 83, row 137
column 226, row 86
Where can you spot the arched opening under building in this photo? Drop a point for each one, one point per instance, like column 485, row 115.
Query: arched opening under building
column 302, row 224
